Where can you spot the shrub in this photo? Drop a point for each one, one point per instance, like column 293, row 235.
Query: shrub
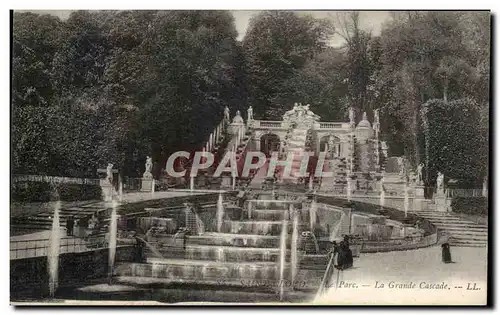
column 31, row 191
column 470, row 205
column 43, row 192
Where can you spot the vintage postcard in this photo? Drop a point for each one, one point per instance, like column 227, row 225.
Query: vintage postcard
column 249, row 157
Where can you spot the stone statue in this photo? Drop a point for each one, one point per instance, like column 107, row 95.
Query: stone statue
column 149, row 167
column 237, row 119
column 310, row 114
column 440, row 181
column 364, row 116
column 109, row 173
column 351, row 116
column 485, row 186
column 290, row 112
column 250, row 113
column 401, row 165
column 420, row 167
column 226, row 114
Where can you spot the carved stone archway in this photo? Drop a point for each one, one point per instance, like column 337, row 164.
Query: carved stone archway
column 330, row 143
column 269, row 142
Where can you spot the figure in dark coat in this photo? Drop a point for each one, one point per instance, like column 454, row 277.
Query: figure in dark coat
column 348, row 256
column 341, row 259
column 445, row 253
column 69, row 226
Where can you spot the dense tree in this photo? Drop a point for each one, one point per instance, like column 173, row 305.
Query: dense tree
column 457, row 144
column 116, row 86
column 277, row 45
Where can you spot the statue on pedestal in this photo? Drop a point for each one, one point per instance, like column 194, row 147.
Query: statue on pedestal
column 149, row 167
column 419, row 173
column 401, row 165
column 250, row 113
column 351, row 117
column 440, row 182
column 226, row 113
column 109, row 173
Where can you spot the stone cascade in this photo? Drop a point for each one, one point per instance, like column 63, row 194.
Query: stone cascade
column 296, row 146
column 248, row 249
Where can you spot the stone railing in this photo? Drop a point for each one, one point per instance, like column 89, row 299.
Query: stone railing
column 455, row 192
column 396, row 244
column 267, row 124
column 54, row 179
column 333, row 125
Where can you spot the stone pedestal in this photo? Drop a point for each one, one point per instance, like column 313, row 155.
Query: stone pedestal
column 442, row 203
column 226, row 182
column 147, row 184
column 419, row 191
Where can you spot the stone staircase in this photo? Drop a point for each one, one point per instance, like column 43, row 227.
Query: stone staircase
column 462, row 232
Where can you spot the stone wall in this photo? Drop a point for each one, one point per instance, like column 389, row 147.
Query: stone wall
column 29, row 277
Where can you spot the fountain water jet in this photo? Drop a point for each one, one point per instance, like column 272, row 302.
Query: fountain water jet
column 336, row 229
column 220, row 212
column 282, row 258
column 151, row 247
column 312, row 214
column 294, row 245
column 382, row 193
column 112, row 240
column 348, row 190
column 54, row 248
column 407, row 201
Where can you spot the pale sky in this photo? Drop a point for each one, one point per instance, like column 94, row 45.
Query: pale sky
column 369, row 20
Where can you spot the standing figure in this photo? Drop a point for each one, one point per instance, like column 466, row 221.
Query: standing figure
column 419, row 173
column 401, row 165
column 109, row 173
column 440, row 182
column 149, row 167
column 250, row 113
column 445, row 253
column 341, row 259
column 70, row 223
column 226, row 113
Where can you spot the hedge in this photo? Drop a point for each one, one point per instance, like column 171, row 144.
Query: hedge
column 470, row 205
column 43, row 192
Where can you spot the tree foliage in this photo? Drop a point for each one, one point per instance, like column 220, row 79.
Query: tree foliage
column 117, row 86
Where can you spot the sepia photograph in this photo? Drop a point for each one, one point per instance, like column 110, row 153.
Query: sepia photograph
column 266, row 157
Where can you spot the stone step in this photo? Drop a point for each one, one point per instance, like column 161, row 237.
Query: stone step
column 220, row 253
column 183, row 269
column 462, row 229
column 269, row 215
column 462, row 243
column 458, row 226
column 468, row 238
column 257, row 227
column 239, row 240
